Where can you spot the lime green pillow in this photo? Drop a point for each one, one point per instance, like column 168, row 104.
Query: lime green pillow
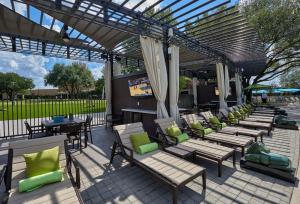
column 197, row 126
column 143, row 149
column 42, row 162
column 139, row 139
column 223, row 125
column 237, row 114
column 35, row 182
column 231, row 116
column 214, row 120
column 183, row 137
column 207, row 131
column 173, row 131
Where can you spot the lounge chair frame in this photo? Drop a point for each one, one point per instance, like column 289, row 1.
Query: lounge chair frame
column 118, row 145
column 219, row 160
column 70, row 160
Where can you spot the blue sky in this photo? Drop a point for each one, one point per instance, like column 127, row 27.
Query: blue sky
column 36, row 66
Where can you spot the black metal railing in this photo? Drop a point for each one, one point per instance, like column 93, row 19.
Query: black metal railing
column 35, row 109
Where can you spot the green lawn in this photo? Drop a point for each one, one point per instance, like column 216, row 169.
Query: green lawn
column 36, row 108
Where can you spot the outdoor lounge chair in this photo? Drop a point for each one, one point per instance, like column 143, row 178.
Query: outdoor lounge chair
column 62, row 192
column 172, row 170
column 256, row 125
column 254, row 117
column 203, row 149
column 192, row 118
column 227, row 139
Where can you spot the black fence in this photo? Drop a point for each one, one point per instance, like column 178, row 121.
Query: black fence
column 35, row 109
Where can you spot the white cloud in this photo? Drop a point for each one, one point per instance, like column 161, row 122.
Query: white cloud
column 144, row 5
column 31, row 66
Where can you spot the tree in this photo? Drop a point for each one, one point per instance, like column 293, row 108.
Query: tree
column 277, row 23
column 291, row 79
column 12, row 84
column 72, row 78
column 99, row 84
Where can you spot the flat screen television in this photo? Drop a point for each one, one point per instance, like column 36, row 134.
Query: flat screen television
column 140, row 87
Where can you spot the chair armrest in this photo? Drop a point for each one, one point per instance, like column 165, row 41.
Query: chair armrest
column 168, row 141
column 156, row 139
column 196, row 131
column 3, row 174
column 130, row 150
column 73, row 161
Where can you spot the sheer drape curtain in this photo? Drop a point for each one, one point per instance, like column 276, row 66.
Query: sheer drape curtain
column 174, row 81
column 155, row 65
column 226, row 81
column 195, row 94
column 107, row 84
column 221, row 86
column 238, row 87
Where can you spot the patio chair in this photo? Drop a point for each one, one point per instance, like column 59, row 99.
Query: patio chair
column 224, row 138
column 73, row 132
column 192, row 118
column 200, row 148
column 35, row 131
column 113, row 119
column 66, row 191
column 256, row 125
column 87, row 126
column 172, row 170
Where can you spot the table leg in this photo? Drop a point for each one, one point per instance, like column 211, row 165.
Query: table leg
column 142, row 117
column 85, row 136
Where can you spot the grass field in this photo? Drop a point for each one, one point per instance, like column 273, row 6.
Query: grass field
column 33, row 108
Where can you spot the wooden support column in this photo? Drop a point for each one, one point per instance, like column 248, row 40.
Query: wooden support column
column 111, row 61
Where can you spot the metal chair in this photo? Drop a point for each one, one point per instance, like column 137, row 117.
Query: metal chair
column 87, row 126
column 113, row 119
column 73, row 132
column 35, row 131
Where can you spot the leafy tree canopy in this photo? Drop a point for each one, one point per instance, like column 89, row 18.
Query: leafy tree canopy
column 12, row 83
column 277, row 23
column 72, row 78
column 291, row 79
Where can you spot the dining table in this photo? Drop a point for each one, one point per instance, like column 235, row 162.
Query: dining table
column 49, row 125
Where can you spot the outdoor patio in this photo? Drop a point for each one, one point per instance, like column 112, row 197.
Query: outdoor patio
column 120, row 183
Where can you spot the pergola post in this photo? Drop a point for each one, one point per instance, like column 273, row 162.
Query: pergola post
column 111, row 62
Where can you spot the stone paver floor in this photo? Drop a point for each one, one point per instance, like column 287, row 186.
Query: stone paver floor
column 121, row 183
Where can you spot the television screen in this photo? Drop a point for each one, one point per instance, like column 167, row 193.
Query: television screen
column 140, row 87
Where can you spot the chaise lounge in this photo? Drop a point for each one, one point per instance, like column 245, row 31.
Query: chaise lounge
column 172, row 170
column 66, row 191
column 203, row 149
column 192, row 118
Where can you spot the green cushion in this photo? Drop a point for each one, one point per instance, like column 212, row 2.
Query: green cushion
column 230, row 116
column 139, row 139
column 223, row 125
column 42, row 162
column 278, row 160
column 197, row 126
column 173, row 131
column 35, row 182
column 214, row 120
column 207, row 131
column 183, row 137
column 237, row 114
column 143, row 149
column 258, row 148
column 234, row 121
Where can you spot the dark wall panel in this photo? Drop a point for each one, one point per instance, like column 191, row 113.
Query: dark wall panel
column 122, row 99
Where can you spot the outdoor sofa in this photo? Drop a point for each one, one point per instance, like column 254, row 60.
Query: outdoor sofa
column 172, row 170
column 199, row 148
column 192, row 118
column 66, row 191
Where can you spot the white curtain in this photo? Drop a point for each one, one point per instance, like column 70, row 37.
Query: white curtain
column 221, row 86
column 195, row 82
column 238, row 87
column 226, row 81
column 174, row 82
column 117, row 69
column 155, row 65
column 107, row 84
